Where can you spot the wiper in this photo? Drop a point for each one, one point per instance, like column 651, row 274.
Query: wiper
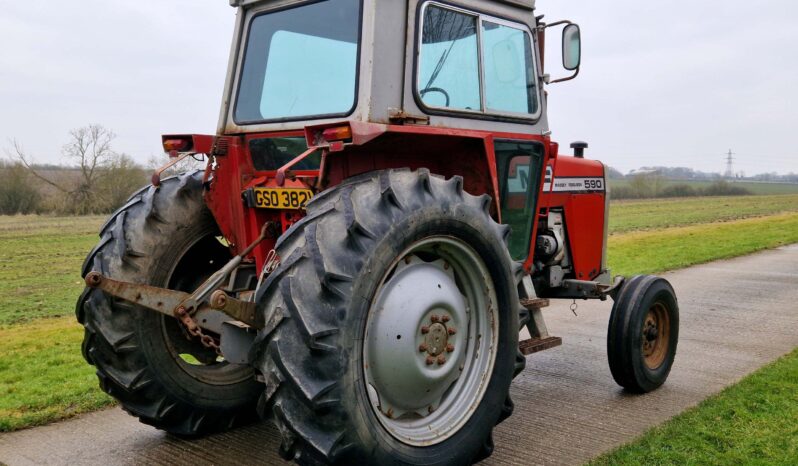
column 438, row 67
column 441, row 62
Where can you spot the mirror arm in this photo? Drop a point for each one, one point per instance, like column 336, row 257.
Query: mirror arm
column 568, row 78
column 556, row 23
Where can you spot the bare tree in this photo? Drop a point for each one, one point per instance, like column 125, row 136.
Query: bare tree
column 90, row 151
column 19, row 153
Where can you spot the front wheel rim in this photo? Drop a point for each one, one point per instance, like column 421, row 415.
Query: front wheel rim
column 430, row 341
column 655, row 339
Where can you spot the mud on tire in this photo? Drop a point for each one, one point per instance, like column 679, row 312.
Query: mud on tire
column 162, row 236
column 317, row 302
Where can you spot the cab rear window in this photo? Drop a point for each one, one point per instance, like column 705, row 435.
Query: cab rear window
column 300, row 62
column 272, row 153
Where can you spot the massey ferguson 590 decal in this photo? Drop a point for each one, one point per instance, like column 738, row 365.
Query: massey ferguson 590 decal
column 565, row 184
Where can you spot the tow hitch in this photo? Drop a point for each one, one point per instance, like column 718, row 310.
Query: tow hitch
column 207, row 308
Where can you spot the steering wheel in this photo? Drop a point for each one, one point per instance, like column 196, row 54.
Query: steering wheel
column 436, row 89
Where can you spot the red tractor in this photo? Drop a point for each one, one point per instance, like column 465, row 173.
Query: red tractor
column 382, row 212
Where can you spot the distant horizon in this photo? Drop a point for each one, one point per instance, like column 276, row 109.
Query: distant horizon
column 712, row 175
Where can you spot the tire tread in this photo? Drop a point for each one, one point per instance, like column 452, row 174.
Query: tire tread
column 302, row 394
column 110, row 342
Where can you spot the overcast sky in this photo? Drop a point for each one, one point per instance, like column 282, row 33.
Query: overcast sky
column 663, row 83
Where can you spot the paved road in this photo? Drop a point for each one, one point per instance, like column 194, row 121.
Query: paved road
column 736, row 315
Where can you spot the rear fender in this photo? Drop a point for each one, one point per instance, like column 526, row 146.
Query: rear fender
column 445, row 155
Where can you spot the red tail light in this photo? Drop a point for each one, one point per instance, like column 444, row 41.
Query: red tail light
column 176, row 145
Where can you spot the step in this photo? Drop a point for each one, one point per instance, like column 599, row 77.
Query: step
column 534, row 303
column 534, row 345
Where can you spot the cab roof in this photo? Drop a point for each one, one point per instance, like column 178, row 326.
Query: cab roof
column 528, row 4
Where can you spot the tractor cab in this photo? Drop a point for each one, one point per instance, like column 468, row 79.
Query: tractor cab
column 393, row 83
column 471, row 65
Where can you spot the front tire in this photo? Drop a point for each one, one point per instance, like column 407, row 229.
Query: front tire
column 334, row 312
column 165, row 237
column 643, row 333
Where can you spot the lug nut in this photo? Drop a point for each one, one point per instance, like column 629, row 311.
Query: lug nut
column 430, row 360
column 389, row 413
column 430, row 409
column 452, row 330
column 407, row 259
column 422, row 347
column 424, row 330
column 449, row 348
column 441, row 360
column 445, row 266
column 445, row 318
column 434, row 319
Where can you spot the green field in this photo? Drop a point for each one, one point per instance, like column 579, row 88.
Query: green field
column 650, row 214
column 40, row 259
column 754, row 187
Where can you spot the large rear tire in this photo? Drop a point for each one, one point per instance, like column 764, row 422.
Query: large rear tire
column 164, row 237
column 394, row 278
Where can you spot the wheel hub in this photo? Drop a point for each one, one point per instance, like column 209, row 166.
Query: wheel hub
column 437, row 339
column 651, row 333
column 427, row 356
column 655, row 336
column 408, row 340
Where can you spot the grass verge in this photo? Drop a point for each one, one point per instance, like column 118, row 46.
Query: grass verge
column 43, row 377
column 751, row 422
column 674, row 248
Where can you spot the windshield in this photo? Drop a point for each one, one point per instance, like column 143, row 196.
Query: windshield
column 300, row 62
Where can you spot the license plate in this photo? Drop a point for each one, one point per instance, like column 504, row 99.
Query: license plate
column 281, row 198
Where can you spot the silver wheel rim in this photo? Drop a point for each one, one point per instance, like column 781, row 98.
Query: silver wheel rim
column 430, row 341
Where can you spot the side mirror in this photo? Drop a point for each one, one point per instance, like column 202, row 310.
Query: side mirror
column 571, row 47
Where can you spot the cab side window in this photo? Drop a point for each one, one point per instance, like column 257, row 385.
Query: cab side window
column 472, row 62
column 509, row 69
column 449, row 60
